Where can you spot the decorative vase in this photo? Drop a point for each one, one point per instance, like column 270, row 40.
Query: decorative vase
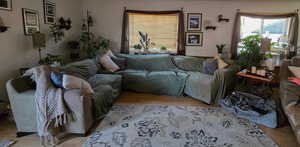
column 270, row 64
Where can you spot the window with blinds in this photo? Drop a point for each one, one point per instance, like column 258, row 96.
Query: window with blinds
column 162, row 29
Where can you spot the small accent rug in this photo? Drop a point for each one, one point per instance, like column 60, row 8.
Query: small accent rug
column 175, row 126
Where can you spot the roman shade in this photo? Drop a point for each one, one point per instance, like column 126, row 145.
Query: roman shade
column 125, row 41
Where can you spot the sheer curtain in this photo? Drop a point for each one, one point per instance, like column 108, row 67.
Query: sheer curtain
column 293, row 29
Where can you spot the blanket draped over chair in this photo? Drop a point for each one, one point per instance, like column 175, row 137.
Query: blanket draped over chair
column 51, row 110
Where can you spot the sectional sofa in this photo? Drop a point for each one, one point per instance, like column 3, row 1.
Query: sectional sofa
column 157, row 74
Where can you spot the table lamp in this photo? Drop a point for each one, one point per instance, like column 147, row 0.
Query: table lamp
column 39, row 41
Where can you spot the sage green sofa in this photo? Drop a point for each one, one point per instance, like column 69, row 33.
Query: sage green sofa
column 157, row 74
column 290, row 95
column 165, row 74
column 85, row 108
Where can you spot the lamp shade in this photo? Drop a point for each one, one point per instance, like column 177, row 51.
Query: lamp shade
column 39, row 40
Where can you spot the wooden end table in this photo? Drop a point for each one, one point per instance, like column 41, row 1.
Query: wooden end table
column 258, row 79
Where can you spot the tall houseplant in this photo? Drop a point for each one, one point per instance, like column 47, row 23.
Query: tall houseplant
column 145, row 41
column 251, row 55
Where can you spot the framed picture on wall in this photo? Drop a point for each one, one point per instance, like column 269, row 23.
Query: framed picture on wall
column 31, row 21
column 194, row 39
column 194, row 21
column 6, row 5
column 49, row 12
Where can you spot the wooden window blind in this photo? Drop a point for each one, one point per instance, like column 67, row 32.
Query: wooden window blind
column 161, row 28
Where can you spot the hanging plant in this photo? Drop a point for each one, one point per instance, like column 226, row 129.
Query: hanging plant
column 56, row 32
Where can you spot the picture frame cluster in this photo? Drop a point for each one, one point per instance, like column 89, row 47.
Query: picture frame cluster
column 31, row 22
column 194, row 36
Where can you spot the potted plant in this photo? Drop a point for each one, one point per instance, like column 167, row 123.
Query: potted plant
column 137, row 48
column 250, row 54
column 52, row 60
column 145, row 41
column 163, row 49
column 56, row 32
column 220, row 48
column 74, row 46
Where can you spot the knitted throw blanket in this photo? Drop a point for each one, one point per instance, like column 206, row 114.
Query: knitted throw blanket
column 51, row 111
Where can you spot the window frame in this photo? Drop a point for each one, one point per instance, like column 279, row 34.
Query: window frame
column 145, row 12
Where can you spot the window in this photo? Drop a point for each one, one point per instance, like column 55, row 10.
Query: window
column 274, row 29
column 162, row 29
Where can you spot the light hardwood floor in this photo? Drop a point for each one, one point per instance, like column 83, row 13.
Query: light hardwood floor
column 283, row 136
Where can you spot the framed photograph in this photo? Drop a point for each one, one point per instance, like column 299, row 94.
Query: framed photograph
column 194, row 21
column 31, row 21
column 6, row 5
column 49, row 12
column 194, row 39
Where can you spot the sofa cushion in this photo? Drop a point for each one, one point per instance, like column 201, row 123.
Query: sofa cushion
column 188, row 63
column 210, row 66
column 72, row 82
column 156, row 82
column 108, row 63
column 112, row 80
column 57, row 79
column 121, row 62
column 199, row 86
column 160, row 62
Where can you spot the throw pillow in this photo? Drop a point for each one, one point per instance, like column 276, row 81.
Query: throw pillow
column 57, row 79
column 221, row 63
column 295, row 70
column 121, row 62
column 72, row 82
column 294, row 80
column 210, row 66
column 110, row 54
column 109, row 64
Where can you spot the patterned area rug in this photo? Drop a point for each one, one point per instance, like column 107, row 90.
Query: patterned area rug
column 175, row 126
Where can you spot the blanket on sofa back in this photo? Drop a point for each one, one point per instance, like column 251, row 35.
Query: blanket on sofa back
column 50, row 107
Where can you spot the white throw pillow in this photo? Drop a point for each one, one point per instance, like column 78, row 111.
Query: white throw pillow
column 295, row 70
column 110, row 54
column 109, row 64
column 221, row 63
column 72, row 82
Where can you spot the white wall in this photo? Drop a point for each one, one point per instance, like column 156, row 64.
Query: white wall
column 16, row 49
column 108, row 16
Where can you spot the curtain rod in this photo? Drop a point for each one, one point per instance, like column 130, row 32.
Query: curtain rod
column 125, row 8
column 239, row 10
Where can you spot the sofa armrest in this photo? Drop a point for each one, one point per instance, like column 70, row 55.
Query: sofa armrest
column 20, row 84
column 224, row 81
column 284, row 70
